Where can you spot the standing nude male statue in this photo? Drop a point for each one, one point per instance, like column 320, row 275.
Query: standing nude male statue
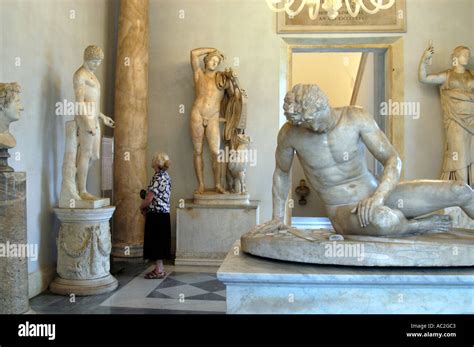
column 330, row 144
column 210, row 87
column 84, row 134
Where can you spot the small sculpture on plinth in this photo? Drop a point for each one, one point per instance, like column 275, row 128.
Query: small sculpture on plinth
column 10, row 110
column 302, row 191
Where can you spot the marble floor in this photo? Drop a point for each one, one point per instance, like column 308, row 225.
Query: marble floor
column 185, row 290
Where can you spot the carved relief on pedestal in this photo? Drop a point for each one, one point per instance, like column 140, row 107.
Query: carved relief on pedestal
column 84, row 251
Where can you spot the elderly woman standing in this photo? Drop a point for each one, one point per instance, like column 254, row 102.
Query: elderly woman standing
column 156, row 207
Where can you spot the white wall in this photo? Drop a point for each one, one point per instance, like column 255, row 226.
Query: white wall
column 50, row 45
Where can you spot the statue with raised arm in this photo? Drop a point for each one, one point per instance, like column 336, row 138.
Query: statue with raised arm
column 330, row 144
column 456, row 88
column 83, row 135
column 218, row 96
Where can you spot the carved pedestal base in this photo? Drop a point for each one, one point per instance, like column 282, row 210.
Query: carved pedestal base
column 84, row 245
column 83, row 287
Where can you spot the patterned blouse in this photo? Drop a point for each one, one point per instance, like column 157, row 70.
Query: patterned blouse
column 160, row 186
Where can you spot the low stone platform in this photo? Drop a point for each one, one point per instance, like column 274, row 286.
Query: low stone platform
column 204, row 233
column 454, row 248
column 213, row 198
column 262, row 286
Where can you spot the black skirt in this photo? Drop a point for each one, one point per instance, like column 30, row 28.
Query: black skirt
column 157, row 243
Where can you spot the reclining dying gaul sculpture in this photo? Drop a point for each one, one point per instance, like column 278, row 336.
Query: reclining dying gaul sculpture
column 330, row 144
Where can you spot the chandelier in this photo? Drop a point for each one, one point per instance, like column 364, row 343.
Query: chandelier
column 332, row 7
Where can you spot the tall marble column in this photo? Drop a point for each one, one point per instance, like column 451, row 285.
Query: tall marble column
column 131, row 132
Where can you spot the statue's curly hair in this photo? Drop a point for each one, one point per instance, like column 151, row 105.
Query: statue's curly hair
column 93, row 52
column 8, row 92
column 214, row 54
column 303, row 102
column 458, row 50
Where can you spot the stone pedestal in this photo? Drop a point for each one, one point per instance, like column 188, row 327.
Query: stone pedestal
column 13, row 244
column 204, row 233
column 84, row 245
column 262, row 286
column 444, row 249
column 213, row 198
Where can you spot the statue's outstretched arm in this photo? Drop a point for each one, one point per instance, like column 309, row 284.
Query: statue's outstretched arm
column 281, row 178
column 423, row 75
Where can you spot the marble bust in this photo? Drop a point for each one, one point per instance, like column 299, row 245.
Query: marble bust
column 10, row 109
column 83, row 135
column 330, row 144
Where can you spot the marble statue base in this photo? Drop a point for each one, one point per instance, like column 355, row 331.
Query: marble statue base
column 454, row 248
column 84, row 204
column 84, row 245
column 263, row 286
column 83, row 287
column 213, row 198
column 13, row 241
column 204, row 233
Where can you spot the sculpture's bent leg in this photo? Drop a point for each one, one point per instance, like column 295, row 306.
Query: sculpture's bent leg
column 197, row 135
column 387, row 222
column 417, row 198
column 214, row 140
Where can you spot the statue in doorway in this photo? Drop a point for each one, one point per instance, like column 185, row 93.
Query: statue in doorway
column 83, row 134
column 330, row 144
column 218, row 98
column 456, row 87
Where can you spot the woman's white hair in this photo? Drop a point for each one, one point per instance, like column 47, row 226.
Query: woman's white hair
column 160, row 160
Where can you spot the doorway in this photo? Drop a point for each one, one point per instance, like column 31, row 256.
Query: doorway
column 348, row 77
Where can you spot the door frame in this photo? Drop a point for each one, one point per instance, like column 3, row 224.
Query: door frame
column 394, row 78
